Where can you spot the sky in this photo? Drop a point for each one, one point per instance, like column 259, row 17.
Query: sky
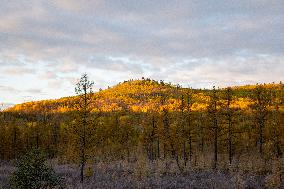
column 45, row 46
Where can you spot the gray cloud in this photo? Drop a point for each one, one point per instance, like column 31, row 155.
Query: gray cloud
column 19, row 71
column 8, row 89
column 34, row 91
column 169, row 39
column 115, row 64
column 15, row 90
column 144, row 29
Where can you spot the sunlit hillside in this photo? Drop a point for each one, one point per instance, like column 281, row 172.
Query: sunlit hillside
column 147, row 95
column 148, row 124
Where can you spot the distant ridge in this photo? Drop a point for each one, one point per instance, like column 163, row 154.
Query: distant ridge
column 4, row 106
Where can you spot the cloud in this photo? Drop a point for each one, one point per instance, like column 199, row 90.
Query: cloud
column 8, row 89
column 34, row 91
column 219, row 72
column 15, row 90
column 17, row 71
column 48, row 75
column 151, row 29
column 120, row 64
column 56, row 41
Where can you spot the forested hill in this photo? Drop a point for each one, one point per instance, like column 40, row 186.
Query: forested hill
column 150, row 95
column 141, row 120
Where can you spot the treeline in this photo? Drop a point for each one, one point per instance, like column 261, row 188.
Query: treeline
column 147, row 119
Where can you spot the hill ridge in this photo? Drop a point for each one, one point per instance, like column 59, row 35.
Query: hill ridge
column 137, row 95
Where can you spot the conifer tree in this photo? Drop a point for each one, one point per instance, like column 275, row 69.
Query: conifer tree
column 212, row 109
column 33, row 172
column 84, row 90
column 262, row 100
column 229, row 117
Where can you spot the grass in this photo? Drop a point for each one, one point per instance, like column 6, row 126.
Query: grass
column 156, row 174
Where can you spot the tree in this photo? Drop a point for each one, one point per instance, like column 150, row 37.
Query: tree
column 189, row 131
column 212, row 109
column 229, row 117
column 262, row 101
column 276, row 125
column 84, row 90
column 33, row 173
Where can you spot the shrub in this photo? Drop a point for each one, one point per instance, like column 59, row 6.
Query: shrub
column 33, row 173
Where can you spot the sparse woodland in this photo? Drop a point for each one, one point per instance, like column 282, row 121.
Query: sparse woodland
column 150, row 129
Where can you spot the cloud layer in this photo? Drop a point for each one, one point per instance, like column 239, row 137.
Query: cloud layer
column 46, row 45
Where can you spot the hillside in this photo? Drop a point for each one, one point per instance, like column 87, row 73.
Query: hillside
column 149, row 123
column 147, row 95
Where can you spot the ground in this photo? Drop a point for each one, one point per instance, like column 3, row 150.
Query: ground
column 121, row 174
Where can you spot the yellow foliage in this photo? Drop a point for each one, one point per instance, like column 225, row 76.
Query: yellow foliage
column 142, row 96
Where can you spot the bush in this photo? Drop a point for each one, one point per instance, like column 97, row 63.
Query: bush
column 33, row 173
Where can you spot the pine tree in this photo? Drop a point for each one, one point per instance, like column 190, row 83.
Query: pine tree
column 84, row 90
column 212, row 110
column 33, row 173
column 262, row 100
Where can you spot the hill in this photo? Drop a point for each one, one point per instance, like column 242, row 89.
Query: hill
column 147, row 95
column 237, row 129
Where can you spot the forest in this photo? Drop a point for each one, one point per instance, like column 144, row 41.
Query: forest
column 144, row 133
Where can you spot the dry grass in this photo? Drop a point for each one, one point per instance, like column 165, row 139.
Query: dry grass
column 6, row 169
column 161, row 174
